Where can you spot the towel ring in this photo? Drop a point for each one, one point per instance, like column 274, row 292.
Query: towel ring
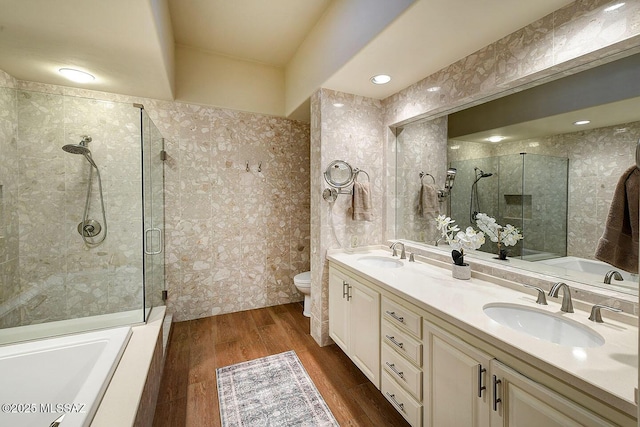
column 422, row 175
column 356, row 171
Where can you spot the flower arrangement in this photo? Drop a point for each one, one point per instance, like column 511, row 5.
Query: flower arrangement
column 459, row 240
column 507, row 235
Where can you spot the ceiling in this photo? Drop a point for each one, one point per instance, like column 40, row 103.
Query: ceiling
column 119, row 41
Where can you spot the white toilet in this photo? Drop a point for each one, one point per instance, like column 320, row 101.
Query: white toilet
column 303, row 283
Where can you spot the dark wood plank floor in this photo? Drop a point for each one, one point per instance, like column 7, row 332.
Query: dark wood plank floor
column 188, row 395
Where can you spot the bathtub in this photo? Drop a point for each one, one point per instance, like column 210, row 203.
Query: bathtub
column 46, row 379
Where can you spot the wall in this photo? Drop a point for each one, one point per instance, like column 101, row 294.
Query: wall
column 569, row 38
column 351, row 133
column 9, row 225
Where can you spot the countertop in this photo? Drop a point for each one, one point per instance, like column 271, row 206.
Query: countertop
column 608, row 372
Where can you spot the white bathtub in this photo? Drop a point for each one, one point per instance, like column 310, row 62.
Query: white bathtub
column 42, row 380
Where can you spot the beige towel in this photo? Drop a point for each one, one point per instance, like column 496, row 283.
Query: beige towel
column 618, row 245
column 361, row 202
column 428, row 204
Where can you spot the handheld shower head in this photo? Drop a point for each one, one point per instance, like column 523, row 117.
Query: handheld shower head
column 81, row 148
column 451, row 177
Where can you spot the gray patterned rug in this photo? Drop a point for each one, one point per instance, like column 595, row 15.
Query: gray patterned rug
column 272, row 391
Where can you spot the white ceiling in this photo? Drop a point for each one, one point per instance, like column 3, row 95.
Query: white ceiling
column 118, row 39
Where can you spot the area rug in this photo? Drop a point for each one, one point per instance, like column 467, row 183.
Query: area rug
column 270, row 391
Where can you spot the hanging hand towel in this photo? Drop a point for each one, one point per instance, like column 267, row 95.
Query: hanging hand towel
column 361, row 202
column 428, row 204
column 618, row 245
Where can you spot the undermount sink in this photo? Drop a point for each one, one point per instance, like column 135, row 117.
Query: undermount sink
column 380, row 262
column 543, row 325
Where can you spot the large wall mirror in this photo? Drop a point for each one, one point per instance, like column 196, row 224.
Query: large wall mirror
column 545, row 160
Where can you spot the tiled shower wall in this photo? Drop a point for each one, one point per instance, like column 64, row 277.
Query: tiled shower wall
column 234, row 238
column 573, row 36
column 9, row 249
column 56, row 276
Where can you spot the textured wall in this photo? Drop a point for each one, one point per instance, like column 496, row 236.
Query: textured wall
column 352, row 132
column 9, row 249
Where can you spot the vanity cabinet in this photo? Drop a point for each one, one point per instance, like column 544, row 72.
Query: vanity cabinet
column 455, row 381
column 354, row 322
column 520, row 402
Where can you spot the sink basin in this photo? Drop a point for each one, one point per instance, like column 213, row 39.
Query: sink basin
column 380, row 262
column 543, row 325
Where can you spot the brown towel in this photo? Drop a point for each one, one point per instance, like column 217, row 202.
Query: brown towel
column 618, row 245
column 361, row 202
column 428, row 205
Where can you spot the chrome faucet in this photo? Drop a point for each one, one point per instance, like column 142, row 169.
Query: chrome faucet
column 567, row 305
column 612, row 273
column 403, row 254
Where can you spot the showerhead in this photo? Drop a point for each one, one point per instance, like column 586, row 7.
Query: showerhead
column 81, row 148
column 76, row 149
column 481, row 174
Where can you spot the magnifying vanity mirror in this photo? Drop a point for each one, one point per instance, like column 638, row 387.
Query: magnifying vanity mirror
column 529, row 159
column 339, row 174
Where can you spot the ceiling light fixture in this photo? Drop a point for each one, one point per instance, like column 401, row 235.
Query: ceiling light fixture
column 380, row 79
column 495, row 138
column 582, row 122
column 76, row 75
column 614, row 7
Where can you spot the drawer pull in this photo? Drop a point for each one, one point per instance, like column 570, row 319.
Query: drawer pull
column 395, row 316
column 392, row 366
column 392, row 397
column 392, row 339
column 345, row 288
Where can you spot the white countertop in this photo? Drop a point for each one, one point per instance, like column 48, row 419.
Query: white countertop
column 608, row 372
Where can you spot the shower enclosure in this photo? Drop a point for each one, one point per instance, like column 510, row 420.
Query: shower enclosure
column 528, row 191
column 58, row 258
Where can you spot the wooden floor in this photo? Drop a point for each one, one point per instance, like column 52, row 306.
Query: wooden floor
column 188, row 395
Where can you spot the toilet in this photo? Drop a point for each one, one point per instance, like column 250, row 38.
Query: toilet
column 303, row 283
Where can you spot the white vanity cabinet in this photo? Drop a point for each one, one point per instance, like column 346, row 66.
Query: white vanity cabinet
column 465, row 386
column 456, row 377
column 521, row 402
column 354, row 322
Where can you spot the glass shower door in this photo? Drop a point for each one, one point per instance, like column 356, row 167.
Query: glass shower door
column 153, row 208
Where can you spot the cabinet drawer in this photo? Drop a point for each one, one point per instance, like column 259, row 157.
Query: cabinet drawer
column 403, row 343
column 402, row 317
column 402, row 371
column 402, row 401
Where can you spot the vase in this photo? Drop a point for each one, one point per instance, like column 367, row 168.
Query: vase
column 462, row 272
column 502, row 254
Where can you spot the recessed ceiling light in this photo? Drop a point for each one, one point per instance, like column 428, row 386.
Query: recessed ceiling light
column 76, row 75
column 495, row 138
column 380, row 79
column 433, row 89
column 338, row 104
column 582, row 122
column 614, row 7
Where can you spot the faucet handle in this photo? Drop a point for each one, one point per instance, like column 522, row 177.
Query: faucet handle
column 595, row 312
column 411, row 257
column 542, row 298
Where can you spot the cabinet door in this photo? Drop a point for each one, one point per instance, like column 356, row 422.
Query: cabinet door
column 522, row 402
column 455, row 381
column 364, row 333
column 338, row 309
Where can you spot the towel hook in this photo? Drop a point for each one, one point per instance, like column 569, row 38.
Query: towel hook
column 247, row 168
column 260, row 167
